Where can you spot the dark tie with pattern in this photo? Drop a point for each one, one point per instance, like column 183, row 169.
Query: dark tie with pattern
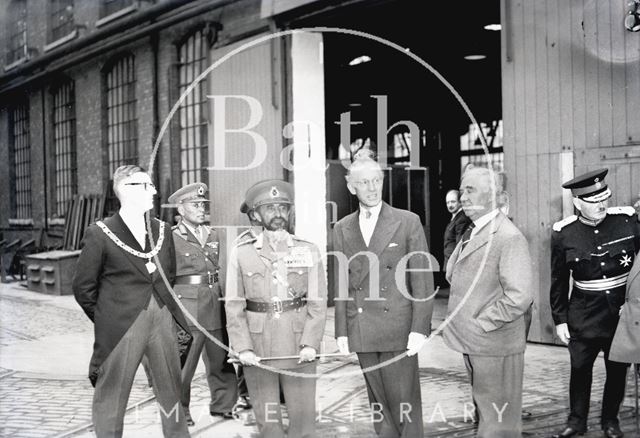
column 466, row 237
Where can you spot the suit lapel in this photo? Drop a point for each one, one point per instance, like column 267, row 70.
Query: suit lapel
column 481, row 239
column 120, row 229
column 353, row 235
column 386, row 227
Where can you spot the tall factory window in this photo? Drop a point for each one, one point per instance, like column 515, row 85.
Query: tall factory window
column 108, row 7
column 192, row 59
column 121, row 117
column 472, row 152
column 64, row 143
column 20, row 156
column 17, row 24
column 61, row 19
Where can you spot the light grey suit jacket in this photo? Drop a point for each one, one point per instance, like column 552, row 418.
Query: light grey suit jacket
column 491, row 289
column 626, row 342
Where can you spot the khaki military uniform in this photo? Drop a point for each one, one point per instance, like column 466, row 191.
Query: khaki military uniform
column 258, row 273
column 198, row 288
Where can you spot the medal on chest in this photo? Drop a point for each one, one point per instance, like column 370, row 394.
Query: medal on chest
column 299, row 257
column 151, row 267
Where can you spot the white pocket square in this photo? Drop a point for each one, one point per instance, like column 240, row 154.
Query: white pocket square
column 392, row 244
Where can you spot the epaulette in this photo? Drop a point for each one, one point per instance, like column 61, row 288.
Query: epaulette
column 245, row 241
column 300, row 239
column 558, row 226
column 629, row 211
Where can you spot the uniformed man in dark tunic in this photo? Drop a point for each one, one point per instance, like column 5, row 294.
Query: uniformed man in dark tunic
column 197, row 285
column 593, row 252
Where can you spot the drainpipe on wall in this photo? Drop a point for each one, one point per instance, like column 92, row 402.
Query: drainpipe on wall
column 44, row 162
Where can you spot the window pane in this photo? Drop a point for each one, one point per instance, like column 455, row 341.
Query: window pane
column 122, row 124
column 64, row 143
column 193, row 122
column 21, row 157
column 61, row 20
column 17, row 31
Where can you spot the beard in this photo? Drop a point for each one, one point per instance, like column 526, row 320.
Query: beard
column 276, row 224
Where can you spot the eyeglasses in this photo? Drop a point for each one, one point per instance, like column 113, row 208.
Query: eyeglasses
column 146, row 185
column 363, row 184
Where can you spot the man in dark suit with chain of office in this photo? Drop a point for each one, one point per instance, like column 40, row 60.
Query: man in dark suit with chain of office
column 595, row 251
column 119, row 286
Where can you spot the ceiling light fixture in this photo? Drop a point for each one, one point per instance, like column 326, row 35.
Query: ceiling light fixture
column 359, row 60
column 474, row 57
column 494, row 27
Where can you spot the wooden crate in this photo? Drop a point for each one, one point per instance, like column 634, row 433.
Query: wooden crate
column 51, row 272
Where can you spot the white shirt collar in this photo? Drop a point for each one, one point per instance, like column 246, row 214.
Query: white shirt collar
column 133, row 220
column 484, row 220
column 375, row 211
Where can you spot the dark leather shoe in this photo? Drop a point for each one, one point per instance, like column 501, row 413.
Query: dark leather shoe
column 188, row 419
column 613, row 431
column 224, row 415
column 569, row 431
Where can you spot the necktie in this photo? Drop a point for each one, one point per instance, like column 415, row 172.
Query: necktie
column 466, row 237
column 367, row 213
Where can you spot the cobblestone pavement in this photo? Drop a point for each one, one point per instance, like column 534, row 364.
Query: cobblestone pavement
column 45, row 345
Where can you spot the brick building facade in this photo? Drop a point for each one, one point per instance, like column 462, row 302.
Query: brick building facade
column 74, row 107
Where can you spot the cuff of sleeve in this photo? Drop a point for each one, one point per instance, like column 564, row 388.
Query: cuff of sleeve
column 244, row 346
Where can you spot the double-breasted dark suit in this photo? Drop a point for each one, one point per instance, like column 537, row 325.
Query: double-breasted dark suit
column 378, row 329
column 453, row 233
column 198, row 288
column 133, row 312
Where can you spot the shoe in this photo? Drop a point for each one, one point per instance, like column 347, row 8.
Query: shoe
column 569, row 431
column 242, row 404
column 224, row 415
column 188, row 419
column 613, row 431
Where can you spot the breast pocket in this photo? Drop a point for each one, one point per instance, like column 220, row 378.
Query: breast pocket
column 298, row 279
column 254, row 283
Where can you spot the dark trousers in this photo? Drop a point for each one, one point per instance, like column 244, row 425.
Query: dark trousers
column 242, row 383
column 299, row 392
column 496, row 385
column 221, row 375
column 153, row 335
column 394, row 387
column 583, row 354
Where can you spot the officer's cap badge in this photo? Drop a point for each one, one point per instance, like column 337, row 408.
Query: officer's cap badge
column 274, row 192
column 200, row 190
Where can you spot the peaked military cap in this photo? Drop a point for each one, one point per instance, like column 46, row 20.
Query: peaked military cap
column 590, row 186
column 194, row 192
column 270, row 191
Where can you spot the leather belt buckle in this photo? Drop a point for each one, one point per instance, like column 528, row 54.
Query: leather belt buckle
column 212, row 278
column 278, row 308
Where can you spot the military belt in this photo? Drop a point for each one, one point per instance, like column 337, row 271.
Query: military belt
column 197, row 279
column 276, row 305
column 603, row 284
